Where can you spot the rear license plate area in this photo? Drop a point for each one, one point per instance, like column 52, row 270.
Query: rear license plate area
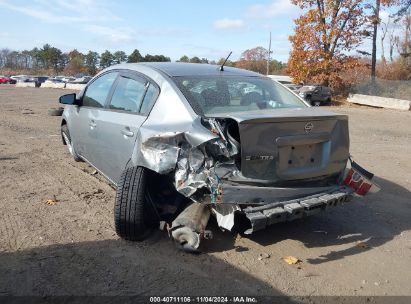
column 293, row 157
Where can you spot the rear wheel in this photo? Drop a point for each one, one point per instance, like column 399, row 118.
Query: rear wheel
column 134, row 211
column 67, row 140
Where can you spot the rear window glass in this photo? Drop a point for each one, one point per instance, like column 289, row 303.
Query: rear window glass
column 227, row 94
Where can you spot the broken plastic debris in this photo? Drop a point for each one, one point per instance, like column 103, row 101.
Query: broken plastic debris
column 225, row 215
column 263, row 256
column 290, row 260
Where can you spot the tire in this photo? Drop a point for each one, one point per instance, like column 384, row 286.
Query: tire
column 65, row 134
column 133, row 214
column 316, row 103
column 56, row 112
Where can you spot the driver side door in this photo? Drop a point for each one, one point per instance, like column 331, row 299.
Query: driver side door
column 85, row 119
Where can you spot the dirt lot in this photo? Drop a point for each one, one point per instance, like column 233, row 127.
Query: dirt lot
column 70, row 248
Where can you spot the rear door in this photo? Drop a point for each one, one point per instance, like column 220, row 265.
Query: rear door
column 84, row 121
column 119, row 124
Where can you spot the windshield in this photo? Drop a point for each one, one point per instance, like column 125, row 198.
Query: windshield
column 228, row 94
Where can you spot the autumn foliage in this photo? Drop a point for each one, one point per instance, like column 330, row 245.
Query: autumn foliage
column 325, row 39
column 255, row 59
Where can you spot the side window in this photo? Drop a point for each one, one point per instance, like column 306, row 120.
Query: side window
column 128, row 95
column 98, row 91
column 148, row 99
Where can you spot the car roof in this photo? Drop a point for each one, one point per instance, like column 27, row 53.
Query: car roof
column 190, row 69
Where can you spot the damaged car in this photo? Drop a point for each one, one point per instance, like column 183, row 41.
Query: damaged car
column 182, row 142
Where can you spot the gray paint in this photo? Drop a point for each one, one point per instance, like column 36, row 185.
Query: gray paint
column 164, row 140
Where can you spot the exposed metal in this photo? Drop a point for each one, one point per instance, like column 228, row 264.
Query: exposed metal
column 287, row 161
column 189, row 225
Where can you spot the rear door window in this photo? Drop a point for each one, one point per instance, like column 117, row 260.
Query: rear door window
column 151, row 95
column 128, row 95
column 97, row 92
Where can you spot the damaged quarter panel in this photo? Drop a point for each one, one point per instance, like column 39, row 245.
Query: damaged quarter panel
column 170, row 126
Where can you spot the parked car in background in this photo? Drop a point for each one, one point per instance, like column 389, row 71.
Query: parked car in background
column 287, row 81
column 81, row 80
column 38, row 80
column 68, row 79
column 53, row 80
column 7, row 80
column 19, row 78
column 178, row 147
column 316, row 95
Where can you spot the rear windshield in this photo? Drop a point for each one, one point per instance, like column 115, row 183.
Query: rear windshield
column 210, row 95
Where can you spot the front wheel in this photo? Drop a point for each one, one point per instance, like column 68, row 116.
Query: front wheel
column 134, row 216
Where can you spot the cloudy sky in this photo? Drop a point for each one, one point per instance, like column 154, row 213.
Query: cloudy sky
column 173, row 28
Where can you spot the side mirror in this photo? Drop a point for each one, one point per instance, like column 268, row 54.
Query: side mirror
column 68, row 99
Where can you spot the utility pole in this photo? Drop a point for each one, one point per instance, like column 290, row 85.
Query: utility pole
column 268, row 57
column 376, row 21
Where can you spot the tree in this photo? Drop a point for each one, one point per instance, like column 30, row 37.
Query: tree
column 119, row 57
column 156, row 58
column 106, row 59
column 254, row 59
column 135, row 56
column 75, row 64
column 324, row 39
column 91, row 61
column 229, row 63
column 195, row 59
column 277, row 67
column 405, row 44
column 184, row 58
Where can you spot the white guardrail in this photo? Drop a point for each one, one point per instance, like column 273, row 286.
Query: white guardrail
column 380, row 102
column 59, row 85
column 25, row 85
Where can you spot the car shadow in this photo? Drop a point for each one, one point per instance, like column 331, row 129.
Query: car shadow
column 362, row 224
column 115, row 268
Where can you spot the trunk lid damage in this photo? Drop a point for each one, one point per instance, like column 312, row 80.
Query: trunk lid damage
column 269, row 167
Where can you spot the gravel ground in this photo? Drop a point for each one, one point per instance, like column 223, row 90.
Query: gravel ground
column 70, row 248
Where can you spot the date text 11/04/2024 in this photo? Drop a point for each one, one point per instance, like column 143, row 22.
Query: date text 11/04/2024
column 204, row 299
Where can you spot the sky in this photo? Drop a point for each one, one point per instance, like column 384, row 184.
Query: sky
column 209, row 29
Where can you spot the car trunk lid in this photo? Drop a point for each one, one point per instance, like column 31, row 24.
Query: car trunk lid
column 292, row 144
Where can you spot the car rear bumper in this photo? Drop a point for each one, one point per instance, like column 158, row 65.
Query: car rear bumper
column 262, row 216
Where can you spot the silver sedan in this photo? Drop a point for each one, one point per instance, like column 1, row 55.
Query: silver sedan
column 181, row 142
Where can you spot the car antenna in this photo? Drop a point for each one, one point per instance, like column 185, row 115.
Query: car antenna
column 222, row 66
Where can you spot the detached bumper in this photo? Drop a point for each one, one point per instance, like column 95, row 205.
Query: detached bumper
column 263, row 216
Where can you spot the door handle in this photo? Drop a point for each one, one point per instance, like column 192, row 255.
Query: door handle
column 127, row 132
column 92, row 124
